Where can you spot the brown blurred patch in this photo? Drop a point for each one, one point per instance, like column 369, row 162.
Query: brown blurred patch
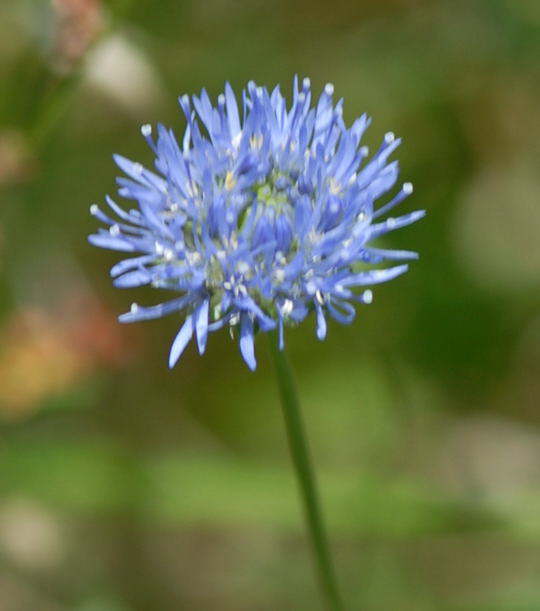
column 17, row 164
column 45, row 353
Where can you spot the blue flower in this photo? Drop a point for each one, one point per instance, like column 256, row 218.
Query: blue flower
column 257, row 218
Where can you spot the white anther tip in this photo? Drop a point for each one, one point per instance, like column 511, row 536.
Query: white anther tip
column 408, row 188
column 94, row 209
column 329, row 89
column 389, row 137
column 367, row 296
column 146, row 130
column 306, row 83
column 221, row 99
column 134, row 308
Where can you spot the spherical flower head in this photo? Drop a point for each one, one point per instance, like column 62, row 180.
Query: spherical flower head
column 257, row 218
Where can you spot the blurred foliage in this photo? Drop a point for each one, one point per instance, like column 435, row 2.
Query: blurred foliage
column 126, row 487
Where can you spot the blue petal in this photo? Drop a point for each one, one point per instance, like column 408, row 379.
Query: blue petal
column 281, row 341
column 201, row 325
column 374, row 276
column 138, row 313
column 321, row 322
column 390, row 224
column 383, row 253
column 404, row 192
column 232, row 111
column 132, row 169
column 105, row 240
column 181, row 341
column 247, row 347
column 138, row 277
column 127, row 264
column 346, row 315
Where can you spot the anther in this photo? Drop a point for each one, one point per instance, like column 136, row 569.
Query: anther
column 287, row 307
column 168, row 254
column 279, row 275
column 242, row 267
column 407, row 188
column 311, row 288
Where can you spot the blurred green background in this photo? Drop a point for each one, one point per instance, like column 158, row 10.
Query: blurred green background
column 126, row 487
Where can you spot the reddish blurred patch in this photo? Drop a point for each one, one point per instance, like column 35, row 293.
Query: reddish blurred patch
column 78, row 23
column 45, row 353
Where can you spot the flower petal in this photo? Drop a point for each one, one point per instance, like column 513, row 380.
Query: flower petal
column 201, row 325
column 181, row 341
column 247, row 347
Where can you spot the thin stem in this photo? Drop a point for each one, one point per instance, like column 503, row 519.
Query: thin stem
column 306, row 477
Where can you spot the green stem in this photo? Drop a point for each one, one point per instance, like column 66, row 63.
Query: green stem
column 306, row 478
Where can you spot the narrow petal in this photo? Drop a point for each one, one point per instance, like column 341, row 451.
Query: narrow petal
column 374, row 276
column 395, row 255
column 105, row 240
column 201, row 325
column 181, row 341
column 138, row 277
column 394, row 223
column 247, row 347
column 131, row 168
column 321, row 322
column 138, row 312
column 405, row 191
column 281, row 340
column 127, row 264
column 232, row 111
column 344, row 313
